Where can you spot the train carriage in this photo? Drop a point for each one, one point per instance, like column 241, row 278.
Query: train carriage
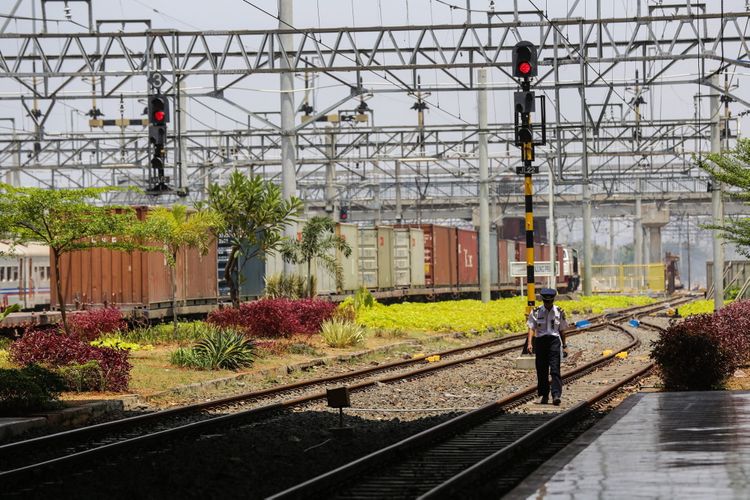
column 25, row 276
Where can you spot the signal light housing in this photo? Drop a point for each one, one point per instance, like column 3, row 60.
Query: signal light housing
column 158, row 110
column 524, row 59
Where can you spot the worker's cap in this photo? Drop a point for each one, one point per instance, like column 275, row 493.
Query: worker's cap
column 548, row 293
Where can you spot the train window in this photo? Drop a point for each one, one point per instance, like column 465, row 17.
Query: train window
column 41, row 273
column 15, row 273
column 2, row 274
column 47, row 275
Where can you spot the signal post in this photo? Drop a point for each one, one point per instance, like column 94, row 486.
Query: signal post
column 525, row 66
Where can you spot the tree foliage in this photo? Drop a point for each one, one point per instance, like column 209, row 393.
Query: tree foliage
column 317, row 241
column 177, row 229
column 732, row 167
column 66, row 220
column 254, row 216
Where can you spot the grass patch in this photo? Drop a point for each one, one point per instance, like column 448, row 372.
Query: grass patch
column 502, row 316
column 698, row 307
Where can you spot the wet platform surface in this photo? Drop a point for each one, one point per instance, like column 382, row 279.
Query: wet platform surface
column 658, row 445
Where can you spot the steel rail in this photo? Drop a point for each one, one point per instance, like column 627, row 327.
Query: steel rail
column 327, row 481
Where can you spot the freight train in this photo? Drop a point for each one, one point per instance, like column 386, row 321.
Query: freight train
column 392, row 261
column 418, row 259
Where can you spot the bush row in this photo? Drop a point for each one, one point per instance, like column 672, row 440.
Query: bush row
column 56, row 350
column 703, row 351
column 28, row 389
column 273, row 318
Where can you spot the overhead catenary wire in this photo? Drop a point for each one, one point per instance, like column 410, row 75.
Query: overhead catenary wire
column 305, row 34
column 28, row 18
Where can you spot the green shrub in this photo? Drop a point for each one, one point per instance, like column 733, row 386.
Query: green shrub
column 285, row 286
column 731, row 293
column 88, row 376
column 117, row 342
column 222, row 349
column 187, row 358
column 187, row 332
column 346, row 311
column 338, row 333
column 363, row 298
column 226, row 349
column 29, row 389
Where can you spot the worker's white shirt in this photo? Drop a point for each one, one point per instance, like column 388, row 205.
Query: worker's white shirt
column 547, row 322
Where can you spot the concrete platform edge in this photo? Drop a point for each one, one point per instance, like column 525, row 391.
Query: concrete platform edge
column 61, row 418
column 539, row 477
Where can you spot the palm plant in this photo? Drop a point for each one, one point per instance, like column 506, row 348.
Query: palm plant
column 176, row 229
column 317, row 241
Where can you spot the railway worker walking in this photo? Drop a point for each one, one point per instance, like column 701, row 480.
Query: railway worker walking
column 546, row 339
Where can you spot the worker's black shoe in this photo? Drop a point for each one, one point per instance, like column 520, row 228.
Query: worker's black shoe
column 544, row 400
column 556, row 401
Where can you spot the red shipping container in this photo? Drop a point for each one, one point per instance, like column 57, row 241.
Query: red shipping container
column 503, row 260
column 451, row 259
column 468, row 257
column 440, row 254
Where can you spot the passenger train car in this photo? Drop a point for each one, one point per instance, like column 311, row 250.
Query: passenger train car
column 24, row 276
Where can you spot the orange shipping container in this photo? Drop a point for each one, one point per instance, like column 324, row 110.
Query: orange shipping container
column 101, row 276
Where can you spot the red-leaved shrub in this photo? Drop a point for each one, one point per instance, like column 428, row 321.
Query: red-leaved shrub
column 733, row 323
column 227, row 317
column 275, row 317
column 312, row 314
column 272, row 317
column 55, row 350
column 699, row 353
column 90, row 325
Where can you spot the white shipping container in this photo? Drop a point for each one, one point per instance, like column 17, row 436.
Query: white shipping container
column 349, row 264
column 416, row 259
column 386, row 274
column 401, row 257
column 368, row 257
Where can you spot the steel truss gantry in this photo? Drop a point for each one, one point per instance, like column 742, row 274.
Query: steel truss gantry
column 426, row 171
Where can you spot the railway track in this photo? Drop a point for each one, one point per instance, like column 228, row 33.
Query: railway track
column 19, row 461
column 451, row 459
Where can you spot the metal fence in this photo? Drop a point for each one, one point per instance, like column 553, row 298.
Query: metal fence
column 628, row 278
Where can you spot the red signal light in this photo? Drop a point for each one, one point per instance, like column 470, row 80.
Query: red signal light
column 524, row 67
column 159, row 116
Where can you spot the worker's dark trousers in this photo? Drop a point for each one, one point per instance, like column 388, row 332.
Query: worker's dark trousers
column 547, row 351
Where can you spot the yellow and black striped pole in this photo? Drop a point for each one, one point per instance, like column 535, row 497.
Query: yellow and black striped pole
column 526, row 138
column 528, row 156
